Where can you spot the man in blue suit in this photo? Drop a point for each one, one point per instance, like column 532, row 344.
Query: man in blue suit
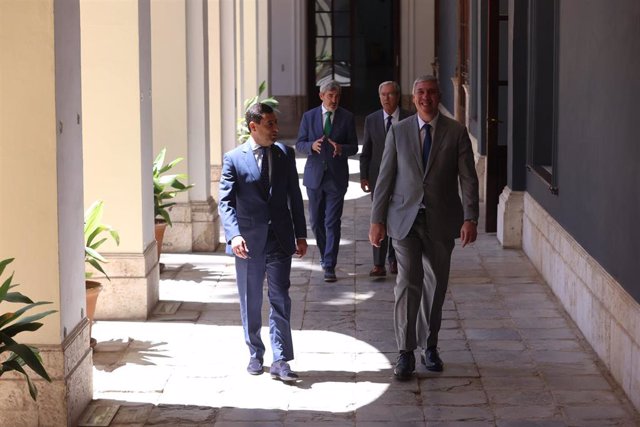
column 263, row 215
column 327, row 135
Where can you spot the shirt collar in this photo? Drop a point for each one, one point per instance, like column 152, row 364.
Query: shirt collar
column 433, row 122
column 324, row 112
column 254, row 145
column 395, row 114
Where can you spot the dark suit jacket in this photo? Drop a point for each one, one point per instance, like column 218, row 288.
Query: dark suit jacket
column 246, row 208
column 343, row 132
column 375, row 133
column 403, row 183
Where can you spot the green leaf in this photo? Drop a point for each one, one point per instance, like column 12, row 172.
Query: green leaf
column 4, row 289
column 4, row 263
column 29, row 357
column 17, row 297
column 17, row 328
column 14, row 315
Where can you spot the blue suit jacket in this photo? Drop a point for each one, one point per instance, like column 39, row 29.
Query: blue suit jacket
column 343, row 132
column 246, row 208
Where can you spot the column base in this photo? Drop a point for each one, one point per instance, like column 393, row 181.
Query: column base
column 510, row 211
column 195, row 228
column 61, row 402
column 134, row 287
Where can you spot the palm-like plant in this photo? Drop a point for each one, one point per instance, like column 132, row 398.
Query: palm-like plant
column 242, row 130
column 93, row 237
column 19, row 355
column 166, row 187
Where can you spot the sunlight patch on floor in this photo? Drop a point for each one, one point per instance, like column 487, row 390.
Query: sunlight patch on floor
column 199, row 364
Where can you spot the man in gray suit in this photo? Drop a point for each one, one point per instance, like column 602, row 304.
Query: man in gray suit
column 376, row 126
column 416, row 203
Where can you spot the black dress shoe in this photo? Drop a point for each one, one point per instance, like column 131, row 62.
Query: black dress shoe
column 431, row 360
column 281, row 370
column 330, row 275
column 255, row 366
column 405, row 365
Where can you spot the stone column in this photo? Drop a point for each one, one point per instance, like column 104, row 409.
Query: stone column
column 204, row 212
column 116, row 101
column 41, row 218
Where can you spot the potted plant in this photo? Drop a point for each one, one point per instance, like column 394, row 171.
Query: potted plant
column 165, row 187
column 242, row 131
column 12, row 323
column 95, row 234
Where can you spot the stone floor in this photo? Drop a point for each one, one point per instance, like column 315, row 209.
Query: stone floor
column 512, row 355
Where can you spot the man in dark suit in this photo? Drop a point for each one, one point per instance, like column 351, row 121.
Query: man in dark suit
column 416, row 202
column 327, row 135
column 263, row 215
column 376, row 126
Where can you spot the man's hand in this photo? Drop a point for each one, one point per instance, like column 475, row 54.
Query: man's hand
column 376, row 234
column 301, row 247
column 468, row 233
column 239, row 247
column 337, row 148
column 364, row 184
column 317, row 145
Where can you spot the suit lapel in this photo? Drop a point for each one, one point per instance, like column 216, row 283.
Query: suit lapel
column 337, row 119
column 415, row 145
column 381, row 123
column 436, row 144
column 250, row 161
column 279, row 167
column 318, row 123
column 252, row 165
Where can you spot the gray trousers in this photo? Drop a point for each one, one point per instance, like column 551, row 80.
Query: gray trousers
column 421, row 284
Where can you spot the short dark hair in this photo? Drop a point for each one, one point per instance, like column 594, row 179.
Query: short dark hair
column 256, row 111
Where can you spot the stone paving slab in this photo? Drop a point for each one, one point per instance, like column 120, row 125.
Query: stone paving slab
column 512, row 355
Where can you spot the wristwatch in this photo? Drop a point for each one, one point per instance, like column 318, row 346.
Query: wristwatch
column 475, row 221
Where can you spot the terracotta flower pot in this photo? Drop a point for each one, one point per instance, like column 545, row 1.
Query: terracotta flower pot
column 160, row 228
column 93, row 289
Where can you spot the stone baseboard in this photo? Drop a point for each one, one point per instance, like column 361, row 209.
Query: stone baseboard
column 195, row 228
column 134, row 287
column 606, row 314
column 61, row 402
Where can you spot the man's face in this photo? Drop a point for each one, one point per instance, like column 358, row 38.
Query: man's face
column 426, row 98
column 265, row 133
column 330, row 99
column 389, row 98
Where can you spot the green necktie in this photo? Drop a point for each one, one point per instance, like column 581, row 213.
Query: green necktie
column 327, row 124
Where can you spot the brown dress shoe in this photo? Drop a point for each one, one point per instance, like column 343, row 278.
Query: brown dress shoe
column 393, row 267
column 378, row 271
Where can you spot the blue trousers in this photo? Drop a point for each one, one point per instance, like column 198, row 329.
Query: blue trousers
column 276, row 266
column 325, row 217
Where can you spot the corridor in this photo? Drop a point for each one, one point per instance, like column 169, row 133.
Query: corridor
column 512, row 356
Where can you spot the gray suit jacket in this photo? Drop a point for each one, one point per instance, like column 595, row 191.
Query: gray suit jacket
column 403, row 183
column 375, row 132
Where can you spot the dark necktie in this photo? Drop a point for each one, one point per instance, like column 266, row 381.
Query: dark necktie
column 264, row 170
column 426, row 144
column 388, row 123
column 327, row 124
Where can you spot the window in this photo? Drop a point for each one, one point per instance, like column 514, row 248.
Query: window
column 542, row 88
column 332, row 20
